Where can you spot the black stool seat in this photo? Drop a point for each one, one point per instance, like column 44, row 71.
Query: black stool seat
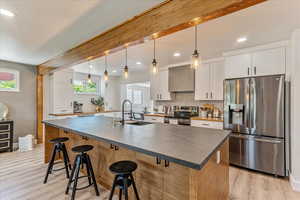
column 123, row 167
column 124, row 178
column 82, row 148
column 59, row 140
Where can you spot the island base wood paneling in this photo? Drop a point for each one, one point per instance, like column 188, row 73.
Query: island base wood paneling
column 156, row 179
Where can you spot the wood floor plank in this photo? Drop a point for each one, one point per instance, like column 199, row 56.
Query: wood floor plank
column 22, row 174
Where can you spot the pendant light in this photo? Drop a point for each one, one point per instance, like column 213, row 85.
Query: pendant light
column 89, row 75
column 126, row 67
column 154, row 62
column 105, row 72
column 196, row 60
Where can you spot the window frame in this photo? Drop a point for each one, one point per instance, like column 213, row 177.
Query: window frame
column 98, row 87
column 17, row 78
column 133, row 97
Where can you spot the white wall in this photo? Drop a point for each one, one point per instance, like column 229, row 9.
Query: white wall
column 295, row 109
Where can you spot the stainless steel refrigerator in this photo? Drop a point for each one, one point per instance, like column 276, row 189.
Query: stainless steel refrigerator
column 254, row 109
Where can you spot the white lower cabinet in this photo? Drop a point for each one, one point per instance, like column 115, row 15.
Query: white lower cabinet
column 207, row 124
column 154, row 119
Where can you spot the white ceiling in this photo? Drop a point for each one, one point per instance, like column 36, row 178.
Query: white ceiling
column 264, row 23
column 42, row 29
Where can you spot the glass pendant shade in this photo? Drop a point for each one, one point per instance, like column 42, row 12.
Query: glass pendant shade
column 89, row 78
column 126, row 72
column 105, row 75
column 196, row 60
column 154, row 66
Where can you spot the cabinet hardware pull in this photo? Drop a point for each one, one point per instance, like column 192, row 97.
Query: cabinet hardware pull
column 248, row 70
column 158, row 161
column 84, row 137
column 218, row 157
column 112, row 146
column 207, row 95
column 167, row 163
column 116, row 148
column 211, row 95
column 255, row 70
column 66, row 132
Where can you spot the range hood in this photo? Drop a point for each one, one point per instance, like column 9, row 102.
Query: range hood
column 181, row 79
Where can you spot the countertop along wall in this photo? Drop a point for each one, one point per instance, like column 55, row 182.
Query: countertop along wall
column 22, row 105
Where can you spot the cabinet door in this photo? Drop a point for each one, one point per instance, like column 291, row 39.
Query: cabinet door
column 238, row 66
column 154, row 87
column 63, row 92
column 149, row 177
column 216, row 80
column 202, row 82
column 269, row 62
column 164, row 85
column 176, row 182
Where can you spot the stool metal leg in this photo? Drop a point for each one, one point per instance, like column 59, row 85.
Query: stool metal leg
column 65, row 161
column 120, row 194
column 88, row 170
column 67, row 156
column 92, row 174
column 125, row 182
column 72, row 175
column 50, row 165
column 113, row 188
column 134, row 187
column 77, row 170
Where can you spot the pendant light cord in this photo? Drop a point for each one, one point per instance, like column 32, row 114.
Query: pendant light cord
column 154, row 50
column 105, row 62
column 196, row 38
column 126, row 55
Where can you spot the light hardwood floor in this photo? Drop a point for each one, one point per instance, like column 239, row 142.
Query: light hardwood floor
column 21, row 178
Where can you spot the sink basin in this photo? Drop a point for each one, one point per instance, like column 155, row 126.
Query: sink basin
column 138, row 123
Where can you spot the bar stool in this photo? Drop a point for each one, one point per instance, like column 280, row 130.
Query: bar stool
column 59, row 146
column 123, row 178
column 81, row 159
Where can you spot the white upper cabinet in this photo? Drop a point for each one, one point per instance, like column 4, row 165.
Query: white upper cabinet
column 217, row 79
column 238, row 66
column 269, row 62
column 159, row 86
column 259, row 63
column 209, row 81
column 202, row 82
column 62, row 92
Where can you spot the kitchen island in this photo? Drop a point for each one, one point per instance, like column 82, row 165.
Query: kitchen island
column 174, row 162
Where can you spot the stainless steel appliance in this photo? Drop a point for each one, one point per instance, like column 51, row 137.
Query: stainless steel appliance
column 254, row 109
column 183, row 114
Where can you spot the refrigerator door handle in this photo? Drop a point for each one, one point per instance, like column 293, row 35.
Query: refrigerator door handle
column 273, row 141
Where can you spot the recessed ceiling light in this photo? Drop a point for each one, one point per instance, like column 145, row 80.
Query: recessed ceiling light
column 138, row 63
column 6, row 13
column 114, row 71
column 242, row 39
column 176, row 54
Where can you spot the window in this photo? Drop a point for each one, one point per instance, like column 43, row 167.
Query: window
column 135, row 95
column 9, row 80
column 86, row 87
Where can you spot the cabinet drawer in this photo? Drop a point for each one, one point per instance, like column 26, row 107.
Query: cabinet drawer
column 4, row 136
column 207, row 124
column 154, row 119
column 4, row 127
column 4, row 144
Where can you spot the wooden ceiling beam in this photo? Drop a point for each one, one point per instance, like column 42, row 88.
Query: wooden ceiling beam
column 166, row 18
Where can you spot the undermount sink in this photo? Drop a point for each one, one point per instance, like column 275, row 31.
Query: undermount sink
column 138, row 123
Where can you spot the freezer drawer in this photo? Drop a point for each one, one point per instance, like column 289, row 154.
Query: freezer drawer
column 258, row 153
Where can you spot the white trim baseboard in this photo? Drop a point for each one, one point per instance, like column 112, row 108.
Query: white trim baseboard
column 295, row 183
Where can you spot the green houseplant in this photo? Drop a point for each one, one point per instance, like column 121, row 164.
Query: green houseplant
column 99, row 103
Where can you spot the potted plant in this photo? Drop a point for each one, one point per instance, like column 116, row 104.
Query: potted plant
column 99, row 103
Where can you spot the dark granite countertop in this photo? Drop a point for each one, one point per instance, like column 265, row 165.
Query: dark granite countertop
column 185, row 145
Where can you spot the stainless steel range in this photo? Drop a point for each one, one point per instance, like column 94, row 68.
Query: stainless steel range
column 254, row 109
column 183, row 114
